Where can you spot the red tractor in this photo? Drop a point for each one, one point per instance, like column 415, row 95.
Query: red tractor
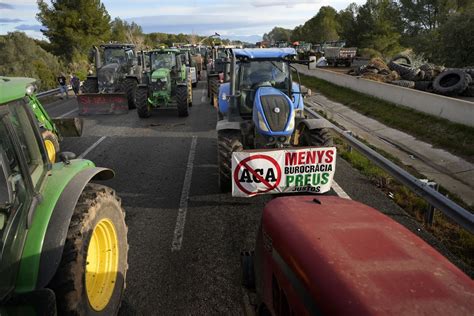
column 323, row 255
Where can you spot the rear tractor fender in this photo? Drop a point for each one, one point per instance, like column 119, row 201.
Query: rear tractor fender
column 58, row 226
column 226, row 125
column 312, row 124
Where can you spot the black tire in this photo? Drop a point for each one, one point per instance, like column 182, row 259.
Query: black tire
column 427, row 67
column 130, row 88
column 469, row 71
column 194, row 84
column 451, row 82
column 404, row 83
column 469, row 92
column 143, row 109
column 402, row 69
column 402, row 58
column 49, row 136
column 320, row 137
column 91, row 85
column 182, row 100
column 247, row 268
column 228, row 141
column 424, row 85
column 96, row 203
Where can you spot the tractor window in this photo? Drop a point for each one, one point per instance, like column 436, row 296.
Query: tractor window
column 130, row 55
column 163, row 61
column 264, row 73
column 114, row 55
column 28, row 141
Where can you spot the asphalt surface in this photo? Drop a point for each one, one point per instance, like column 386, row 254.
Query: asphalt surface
column 150, row 158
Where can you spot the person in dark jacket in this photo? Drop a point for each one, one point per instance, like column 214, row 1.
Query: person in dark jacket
column 75, row 83
column 62, row 85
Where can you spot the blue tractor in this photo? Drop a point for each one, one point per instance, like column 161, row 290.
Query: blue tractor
column 262, row 107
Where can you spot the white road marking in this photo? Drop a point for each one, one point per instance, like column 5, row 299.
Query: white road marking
column 66, row 114
column 339, row 191
column 94, row 145
column 183, row 202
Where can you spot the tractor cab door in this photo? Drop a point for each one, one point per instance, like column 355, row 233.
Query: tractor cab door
column 23, row 166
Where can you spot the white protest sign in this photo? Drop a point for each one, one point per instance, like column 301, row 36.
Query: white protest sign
column 283, row 171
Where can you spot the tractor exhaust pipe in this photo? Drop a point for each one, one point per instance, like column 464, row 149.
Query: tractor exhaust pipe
column 233, row 112
column 98, row 63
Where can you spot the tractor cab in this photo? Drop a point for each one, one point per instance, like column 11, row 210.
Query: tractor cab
column 118, row 54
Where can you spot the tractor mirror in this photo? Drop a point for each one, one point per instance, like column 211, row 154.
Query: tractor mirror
column 6, row 188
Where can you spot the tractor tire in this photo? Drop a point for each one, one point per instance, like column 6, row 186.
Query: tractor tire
column 404, row 83
column 91, row 85
column 423, row 85
column 469, row 92
column 402, row 69
column 451, row 82
column 91, row 277
column 228, row 141
column 182, row 100
column 143, row 108
column 320, row 137
column 402, row 58
column 51, row 143
column 130, row 88
column 427, row 67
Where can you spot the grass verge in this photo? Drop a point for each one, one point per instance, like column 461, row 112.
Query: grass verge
column 455, row 138
column 456, row 239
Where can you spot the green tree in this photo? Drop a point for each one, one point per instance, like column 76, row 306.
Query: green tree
column 455, row 40
column 278, row 34
column 323, row 27
column 124, row 32
column 349, row 31
column 74, row 26
column 379, row 26
column 21, row 56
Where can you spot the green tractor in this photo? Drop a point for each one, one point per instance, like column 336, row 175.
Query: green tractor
column 63, row 246
column 166, row 84
column 52, row 130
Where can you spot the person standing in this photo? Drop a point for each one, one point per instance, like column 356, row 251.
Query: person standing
column 76, row 84
column 62, row 85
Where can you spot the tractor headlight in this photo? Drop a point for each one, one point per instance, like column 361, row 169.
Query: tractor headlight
column 154, row 80
column 30, row 89
column 291, row 124
column 261, row 123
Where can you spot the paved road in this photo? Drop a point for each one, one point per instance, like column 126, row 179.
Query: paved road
column 155, row 160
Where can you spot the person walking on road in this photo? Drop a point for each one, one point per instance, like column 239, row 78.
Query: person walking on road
column 62, row 85
column 76, row 84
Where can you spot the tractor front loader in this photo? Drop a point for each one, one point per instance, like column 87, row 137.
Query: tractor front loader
column 262, row 108
column 113, row 88
column 64, row 246
column 166, row 84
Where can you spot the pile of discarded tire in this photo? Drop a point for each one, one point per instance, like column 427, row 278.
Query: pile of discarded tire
column 401, row 71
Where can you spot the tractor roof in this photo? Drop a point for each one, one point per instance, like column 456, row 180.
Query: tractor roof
column 117, row 45
column 265, row 53
column 13, row 88
column 164, row 50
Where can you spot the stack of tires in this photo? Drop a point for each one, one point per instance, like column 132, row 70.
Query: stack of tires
column 431, row 78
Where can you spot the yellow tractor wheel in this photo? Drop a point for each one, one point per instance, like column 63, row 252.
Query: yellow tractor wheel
column 51, row 143
column 91, row 277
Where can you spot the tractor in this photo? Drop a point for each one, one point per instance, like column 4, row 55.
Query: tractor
column 188, row 60
column 166, row 84
column 333, row 256
column 52, row 130
column 113, row 88
column 217, row 71
column 63, row 236
column 262, row 108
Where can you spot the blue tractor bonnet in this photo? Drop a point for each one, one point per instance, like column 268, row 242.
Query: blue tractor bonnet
column 264, row 53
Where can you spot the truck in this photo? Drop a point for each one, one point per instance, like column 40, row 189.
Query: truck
column 336, row 56
column 63, row 235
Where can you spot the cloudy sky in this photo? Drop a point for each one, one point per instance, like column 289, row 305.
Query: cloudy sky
column 230, row 18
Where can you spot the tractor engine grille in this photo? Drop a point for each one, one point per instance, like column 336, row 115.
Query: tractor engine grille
column 276, row 118
column 158, row 85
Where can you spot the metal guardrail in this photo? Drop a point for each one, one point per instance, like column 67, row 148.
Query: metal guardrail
column 50, row 92
column 457, row 213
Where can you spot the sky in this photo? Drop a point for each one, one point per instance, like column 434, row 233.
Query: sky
column 234, row 19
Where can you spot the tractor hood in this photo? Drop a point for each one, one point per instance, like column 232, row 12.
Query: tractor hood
column 107, row 74
column 273, row 112
column 160, row 73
